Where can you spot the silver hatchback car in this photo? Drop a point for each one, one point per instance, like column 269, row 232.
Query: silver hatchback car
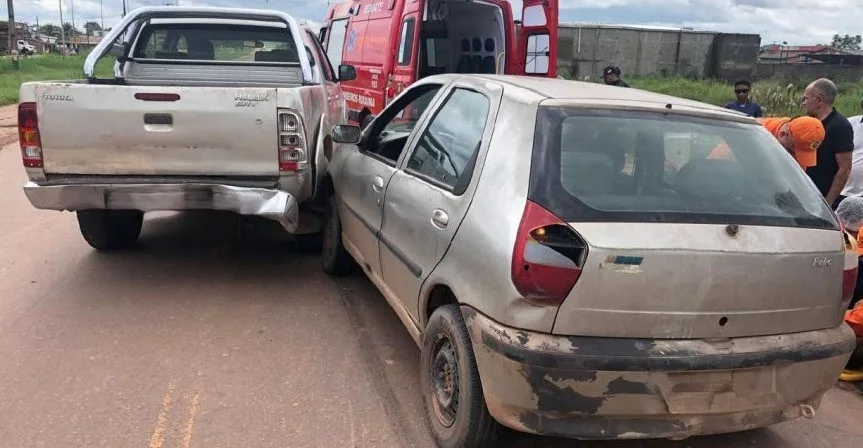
column 592, row 262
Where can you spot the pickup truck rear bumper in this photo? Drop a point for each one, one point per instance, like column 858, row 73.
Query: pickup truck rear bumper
column 268, row 203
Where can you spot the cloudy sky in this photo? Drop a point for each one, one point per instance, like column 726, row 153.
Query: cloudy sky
column 794, row 21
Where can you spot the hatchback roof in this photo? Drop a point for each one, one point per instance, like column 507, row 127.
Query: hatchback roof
column 578, row 91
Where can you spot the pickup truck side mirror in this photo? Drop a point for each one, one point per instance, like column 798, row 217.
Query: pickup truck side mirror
column 347, row 73
column 118, row 50
column 345, row 133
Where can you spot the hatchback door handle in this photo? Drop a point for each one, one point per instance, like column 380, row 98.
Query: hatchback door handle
column 440, row 219
column 378, row 183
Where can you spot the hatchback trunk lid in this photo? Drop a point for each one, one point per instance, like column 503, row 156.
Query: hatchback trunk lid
column 696, row 226
column 704, row 281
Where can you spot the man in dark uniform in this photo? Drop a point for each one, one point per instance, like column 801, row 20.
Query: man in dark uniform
column 834, row 155
column 744, row 103
column 611, row 76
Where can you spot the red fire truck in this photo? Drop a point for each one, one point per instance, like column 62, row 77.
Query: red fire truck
column 393, row 43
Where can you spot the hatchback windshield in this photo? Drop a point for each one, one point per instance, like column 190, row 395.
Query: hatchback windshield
column 638, row 166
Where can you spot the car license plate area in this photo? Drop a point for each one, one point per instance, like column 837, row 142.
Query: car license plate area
column 721, row 392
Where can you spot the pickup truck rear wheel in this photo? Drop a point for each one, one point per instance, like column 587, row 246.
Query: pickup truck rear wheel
column 335, row 258
column 110, row 229
column 449, row 379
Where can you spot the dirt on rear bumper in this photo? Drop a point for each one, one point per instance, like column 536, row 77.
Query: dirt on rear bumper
column 606, row 388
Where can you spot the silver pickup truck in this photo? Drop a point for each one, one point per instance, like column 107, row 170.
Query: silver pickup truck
column 208, row 108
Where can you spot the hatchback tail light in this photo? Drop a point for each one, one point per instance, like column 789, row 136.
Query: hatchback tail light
column 293, row 153
column 547, row 257
column 28, row 134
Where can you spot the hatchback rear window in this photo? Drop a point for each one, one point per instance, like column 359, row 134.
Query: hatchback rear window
column 217, row 42
column 602, row 165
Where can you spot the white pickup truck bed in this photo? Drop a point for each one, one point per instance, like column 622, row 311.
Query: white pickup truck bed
column 210, row 108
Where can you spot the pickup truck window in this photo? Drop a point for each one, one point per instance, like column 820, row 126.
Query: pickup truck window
column 216, row 42
column 321, row 57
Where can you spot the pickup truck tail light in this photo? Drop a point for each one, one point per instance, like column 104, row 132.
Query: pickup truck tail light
column 547, row 257
column 28, row 134
column 293, row 153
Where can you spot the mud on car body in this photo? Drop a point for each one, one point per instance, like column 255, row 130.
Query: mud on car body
column 577, row 260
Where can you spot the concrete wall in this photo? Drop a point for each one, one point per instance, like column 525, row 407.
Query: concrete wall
column 584, row 50
column 809, row 72
column 735, row 56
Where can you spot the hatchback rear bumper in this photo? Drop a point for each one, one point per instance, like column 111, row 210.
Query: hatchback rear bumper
column 607, row 388
column 268, row 203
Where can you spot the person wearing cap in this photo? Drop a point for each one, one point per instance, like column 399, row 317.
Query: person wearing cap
column 800, row 136
column 611, row 76
column 850, row 213
column 744, row 103
column 854, row 186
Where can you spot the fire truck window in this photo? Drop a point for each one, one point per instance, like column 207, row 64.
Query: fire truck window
column 537, row 54
column 336, row 45
column 406, row 45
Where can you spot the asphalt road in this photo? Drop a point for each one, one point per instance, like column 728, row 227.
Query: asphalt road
column 216, row 332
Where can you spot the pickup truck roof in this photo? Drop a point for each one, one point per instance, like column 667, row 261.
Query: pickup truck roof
column 132, row 22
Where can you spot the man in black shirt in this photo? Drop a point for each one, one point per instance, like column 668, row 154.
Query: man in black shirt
column 611, row 76
column 834, row 155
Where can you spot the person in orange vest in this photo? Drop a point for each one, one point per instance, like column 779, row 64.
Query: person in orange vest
column 800, row 136
column 854, row 368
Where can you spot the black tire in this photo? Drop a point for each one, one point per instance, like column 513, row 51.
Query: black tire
column 471, row 425
column 335, row 258
column 110, row 229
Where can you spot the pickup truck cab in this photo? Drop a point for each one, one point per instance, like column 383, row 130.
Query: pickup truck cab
column 394, row 43
column 208, row 108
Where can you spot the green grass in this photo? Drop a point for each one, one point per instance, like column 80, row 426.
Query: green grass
column 777, row 98
column 41, row 68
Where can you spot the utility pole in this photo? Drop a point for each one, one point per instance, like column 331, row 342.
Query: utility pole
column 124, row 8
column 12, row 43
column 101, row 16
column 72, row 2
column 62, row 30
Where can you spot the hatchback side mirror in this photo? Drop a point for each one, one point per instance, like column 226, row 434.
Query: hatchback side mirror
column 347, row 73
column 345, row 133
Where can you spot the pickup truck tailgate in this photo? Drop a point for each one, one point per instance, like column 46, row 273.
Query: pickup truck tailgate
column 124, row 130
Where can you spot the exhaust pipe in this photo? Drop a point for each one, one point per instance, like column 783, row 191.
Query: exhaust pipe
column 807, row 411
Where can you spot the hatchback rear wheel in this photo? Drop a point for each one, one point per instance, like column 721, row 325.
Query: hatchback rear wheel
column 452, row 392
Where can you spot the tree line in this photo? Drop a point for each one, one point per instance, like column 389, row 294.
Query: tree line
column 90, row 29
